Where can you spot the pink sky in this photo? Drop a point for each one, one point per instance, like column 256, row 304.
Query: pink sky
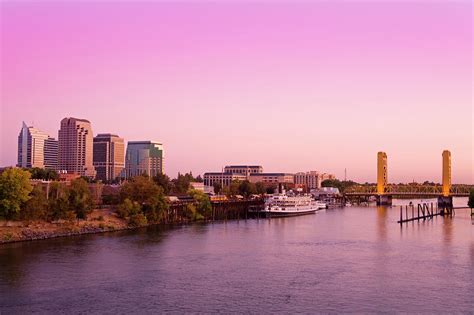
column 292, row 87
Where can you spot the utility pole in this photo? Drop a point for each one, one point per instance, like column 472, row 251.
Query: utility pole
column 345, row 174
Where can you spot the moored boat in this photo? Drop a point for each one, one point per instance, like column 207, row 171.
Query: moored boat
column 283, row 206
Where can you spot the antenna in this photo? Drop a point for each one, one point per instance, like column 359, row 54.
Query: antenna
column 345, row 174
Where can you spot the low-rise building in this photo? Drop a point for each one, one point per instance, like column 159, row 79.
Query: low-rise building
column 243, row 169
column 274, row 178
column 225, row 179
column 311, row 180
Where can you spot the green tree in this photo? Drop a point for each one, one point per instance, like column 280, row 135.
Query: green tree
column 182, row 182
column 190, row 212
column 217, row 187
column 260, row 188
column 247, row 188
column 202, row 202
column 341, row 185
column 148, row 195
column 36, row 208
column 164, row 182
column 137, row 220
column 233, row 188
column 80, row 200
column 128, row 208
column 58, row 202
column 271, row 189
column 15, row 188
column 44, row 174
column 470, row 202
column 198, row 179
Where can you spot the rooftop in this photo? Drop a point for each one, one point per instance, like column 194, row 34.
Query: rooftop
column 271, row 174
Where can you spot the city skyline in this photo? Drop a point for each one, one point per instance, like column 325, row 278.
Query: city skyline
column 264, row 84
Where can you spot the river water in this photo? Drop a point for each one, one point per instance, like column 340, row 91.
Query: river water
column 356, row 259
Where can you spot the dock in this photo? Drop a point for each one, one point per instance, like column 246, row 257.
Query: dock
column 424, row 211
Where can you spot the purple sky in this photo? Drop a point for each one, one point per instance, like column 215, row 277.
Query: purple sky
column 293, row 87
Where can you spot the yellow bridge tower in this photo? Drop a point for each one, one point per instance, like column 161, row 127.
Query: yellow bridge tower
column 446, row 173
column 381, row 172
column 382, row 180
column 446, row 200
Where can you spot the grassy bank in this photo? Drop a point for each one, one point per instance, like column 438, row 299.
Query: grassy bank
column 98, row 221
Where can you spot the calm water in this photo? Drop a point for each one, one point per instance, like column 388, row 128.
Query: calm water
column 342, row 260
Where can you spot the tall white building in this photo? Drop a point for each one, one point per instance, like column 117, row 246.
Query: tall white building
column 144, row 157
column 36, row 149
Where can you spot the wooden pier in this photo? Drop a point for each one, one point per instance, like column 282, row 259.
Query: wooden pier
column 423, row 211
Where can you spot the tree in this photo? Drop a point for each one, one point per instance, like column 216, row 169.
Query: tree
column 247, row 188
column 203, row 204
column 164, row 182
column 260, row 188
column 128, row 208
column 198, row 179
column 217, row 187
column 182, row 182
column 233, row 188
column 470, row 202
column 148, row 195
column 80, row 200
column 15, row 188
column 341, row 185
column 36, row 208
column 42, row 173
column 271, row 189
column 58, row 202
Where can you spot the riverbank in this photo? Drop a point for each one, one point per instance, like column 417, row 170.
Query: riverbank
column 99, row 221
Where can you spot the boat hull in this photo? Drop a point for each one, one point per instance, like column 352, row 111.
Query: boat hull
column 278, row 214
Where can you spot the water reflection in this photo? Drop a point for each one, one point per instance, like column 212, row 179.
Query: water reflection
column 382, row 223
column 345, row 260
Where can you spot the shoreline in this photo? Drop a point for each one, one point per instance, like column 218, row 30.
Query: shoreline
column 21, row 231
column 99, row 221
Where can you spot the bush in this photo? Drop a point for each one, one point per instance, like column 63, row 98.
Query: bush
column 137, row 220
column 128, row 208
column 470, row 202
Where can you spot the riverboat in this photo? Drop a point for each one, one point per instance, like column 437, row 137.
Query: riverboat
column 282, row 205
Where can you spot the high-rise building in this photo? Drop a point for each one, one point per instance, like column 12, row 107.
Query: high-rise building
column 36, row 149
column 51, row 152
column 109, row 156
column 144, row 157
column 76, row 147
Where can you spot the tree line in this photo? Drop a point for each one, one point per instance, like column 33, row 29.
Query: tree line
column 19, row 200
column 141, row 200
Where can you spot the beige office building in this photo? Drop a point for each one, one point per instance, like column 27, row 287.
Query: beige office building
column 272, row 178
column 109, row 156
column 245, row 170
column 76, row 147
column 36, row 149
column 225, row 179
column 312, row 179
